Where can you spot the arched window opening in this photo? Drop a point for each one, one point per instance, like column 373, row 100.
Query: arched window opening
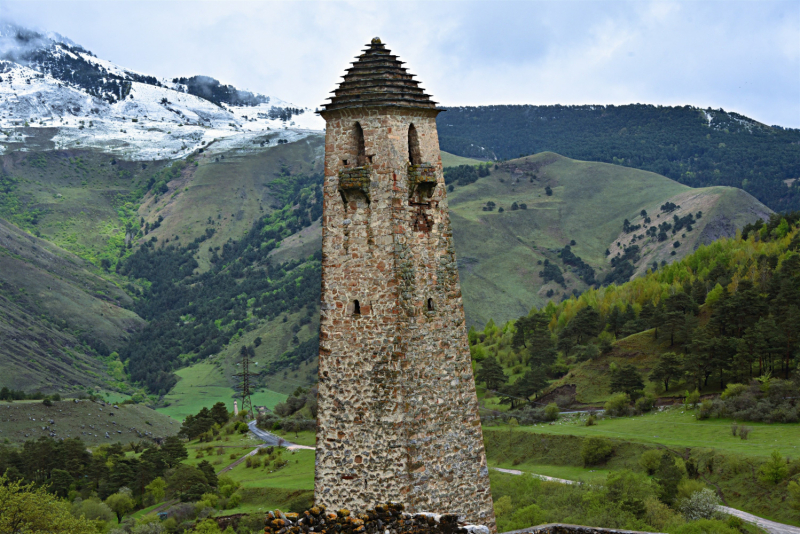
column 430, row 304
column 356, row 308
column 414, row 153
column 361, row 158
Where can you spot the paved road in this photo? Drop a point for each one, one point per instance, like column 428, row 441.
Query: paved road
column 271, row 439
column 770, row 526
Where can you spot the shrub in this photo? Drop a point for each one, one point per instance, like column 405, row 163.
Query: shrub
column 503, row 506
column 700, row 505
column 646, row 403
column 705, row 526
column 734, row 428
column 523, row 518
column 692, row 399
column 596, row 450
column 619, row 405
column 591, row 420
column 688, row 487
column 794, row 494
column 744, row 431
column 629, row 491
column 775, row 469
column 650, row 460
column 92, row 509
column 659, row 515
column 705, row 409
column 733, row 390
column 234, row 500
column 551, row 411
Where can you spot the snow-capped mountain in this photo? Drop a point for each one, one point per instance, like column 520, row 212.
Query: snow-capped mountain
column 65, row 93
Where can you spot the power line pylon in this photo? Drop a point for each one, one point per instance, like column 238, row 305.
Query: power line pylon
column 244, row 381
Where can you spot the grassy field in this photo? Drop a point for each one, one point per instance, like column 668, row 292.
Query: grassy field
column 227, row 192
column 678, row 428
column 727, row 464
column 203, row 385
column 498, row 252
column 451, row 160
column 24, row 420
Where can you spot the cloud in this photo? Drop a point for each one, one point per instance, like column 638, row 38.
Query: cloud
column 741, row 56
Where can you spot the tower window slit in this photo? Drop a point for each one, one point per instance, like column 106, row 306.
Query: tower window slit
column 430, row 304
column 414, row 153
column 356, row 308
column 361, row 158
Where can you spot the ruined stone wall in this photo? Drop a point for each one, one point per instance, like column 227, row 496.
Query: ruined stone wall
column 398, row 414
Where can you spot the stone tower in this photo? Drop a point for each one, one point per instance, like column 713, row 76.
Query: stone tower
column 398, row 414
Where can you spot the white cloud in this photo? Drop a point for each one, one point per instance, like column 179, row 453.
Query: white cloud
column 742, row 56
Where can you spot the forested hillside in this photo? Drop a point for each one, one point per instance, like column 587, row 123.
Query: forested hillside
column 192, row 316
column 728, row 313
column 693, row 146
column 220, row 251
column 546, row 227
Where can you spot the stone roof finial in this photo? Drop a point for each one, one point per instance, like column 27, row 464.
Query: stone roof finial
column 376, row 40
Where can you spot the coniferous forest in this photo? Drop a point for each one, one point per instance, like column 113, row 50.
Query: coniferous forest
column 723, row 319
column 198, row 314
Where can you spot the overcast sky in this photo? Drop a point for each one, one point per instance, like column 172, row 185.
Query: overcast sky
column 740, row 56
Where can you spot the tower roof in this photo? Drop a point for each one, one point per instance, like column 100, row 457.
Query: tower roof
column 378, row 78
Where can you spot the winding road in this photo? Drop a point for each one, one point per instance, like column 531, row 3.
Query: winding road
column 271, row 439
column 770, row 526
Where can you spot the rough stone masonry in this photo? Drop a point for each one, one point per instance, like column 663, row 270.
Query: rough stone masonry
column 398, row 413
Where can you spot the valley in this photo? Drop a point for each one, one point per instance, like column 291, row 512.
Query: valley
column 632, row 300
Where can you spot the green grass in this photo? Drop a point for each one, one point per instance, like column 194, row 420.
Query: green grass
column 305, row 437
column 290, row 488
column 203, row 385
column 592, row 378
column 726, row 464
column 451, row 160
column 49, row 300
column 73, row 420
column 498, row 252
column 678, row 428
column 298, row 474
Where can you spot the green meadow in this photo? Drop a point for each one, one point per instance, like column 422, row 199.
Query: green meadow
column 203, row 385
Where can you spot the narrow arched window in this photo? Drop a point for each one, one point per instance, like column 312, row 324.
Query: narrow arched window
column 414, row 153
column 361, row 151
column 430, row 304
column 356, row 308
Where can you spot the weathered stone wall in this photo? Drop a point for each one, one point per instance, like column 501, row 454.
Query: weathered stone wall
column 398, row 414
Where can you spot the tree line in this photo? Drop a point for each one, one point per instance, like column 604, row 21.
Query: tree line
column 727, row 314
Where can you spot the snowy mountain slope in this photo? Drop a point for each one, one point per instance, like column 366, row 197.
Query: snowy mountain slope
column 79, row 100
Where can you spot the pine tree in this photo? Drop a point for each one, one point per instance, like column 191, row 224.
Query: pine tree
column 627, row 379
column 669, row 366
column 492, row 373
